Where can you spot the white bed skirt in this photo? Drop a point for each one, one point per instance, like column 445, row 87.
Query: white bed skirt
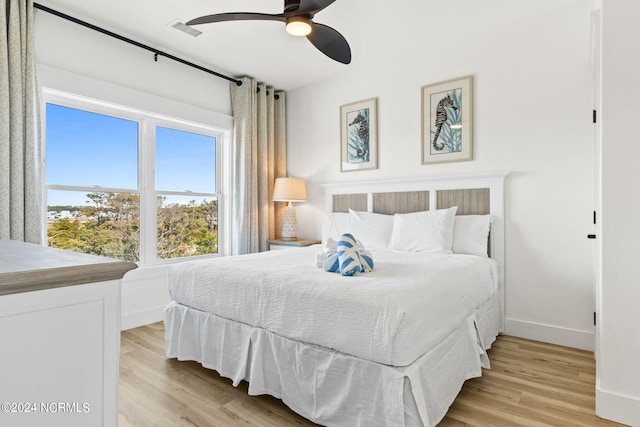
column 332, row 388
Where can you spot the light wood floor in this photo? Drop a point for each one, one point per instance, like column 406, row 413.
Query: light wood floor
column 529, row 384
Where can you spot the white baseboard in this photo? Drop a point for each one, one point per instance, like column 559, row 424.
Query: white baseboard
column 618, row 408
column 141, row 318
column 584, row 340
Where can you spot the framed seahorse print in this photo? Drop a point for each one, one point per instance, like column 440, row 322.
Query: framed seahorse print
column 447, row 125
column 359, row 135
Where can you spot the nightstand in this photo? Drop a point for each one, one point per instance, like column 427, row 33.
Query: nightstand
column 286, row 244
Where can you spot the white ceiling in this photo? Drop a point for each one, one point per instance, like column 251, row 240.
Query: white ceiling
column 265, row 51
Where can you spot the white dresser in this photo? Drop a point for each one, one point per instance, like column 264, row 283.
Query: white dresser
column 59, row 336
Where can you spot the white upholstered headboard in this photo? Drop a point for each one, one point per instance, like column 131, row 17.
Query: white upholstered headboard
column 473, row 194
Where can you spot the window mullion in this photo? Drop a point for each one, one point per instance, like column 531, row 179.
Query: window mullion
column 148, row 217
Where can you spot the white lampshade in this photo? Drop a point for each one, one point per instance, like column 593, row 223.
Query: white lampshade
column 289, row 190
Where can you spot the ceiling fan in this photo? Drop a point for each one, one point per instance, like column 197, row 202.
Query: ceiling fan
column 297, row 15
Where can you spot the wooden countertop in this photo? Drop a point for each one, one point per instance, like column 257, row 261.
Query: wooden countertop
column 26, row 267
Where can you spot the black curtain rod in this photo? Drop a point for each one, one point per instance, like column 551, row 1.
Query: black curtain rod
column 133, row 42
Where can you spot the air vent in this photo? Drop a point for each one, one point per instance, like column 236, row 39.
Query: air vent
column 179, row 25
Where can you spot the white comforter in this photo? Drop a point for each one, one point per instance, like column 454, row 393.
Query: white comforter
column 393, row 315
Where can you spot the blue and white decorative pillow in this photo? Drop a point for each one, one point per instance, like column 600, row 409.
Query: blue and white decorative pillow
column 349, row 257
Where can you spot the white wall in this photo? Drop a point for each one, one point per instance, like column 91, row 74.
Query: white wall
column 618, row 371
column 74, row 48
column 80, row 61
column 533, row 97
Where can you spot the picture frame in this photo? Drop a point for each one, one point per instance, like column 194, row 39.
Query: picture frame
column 359, row 135
column 447, row 122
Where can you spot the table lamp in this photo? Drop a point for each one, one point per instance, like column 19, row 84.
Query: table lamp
column 289, row 190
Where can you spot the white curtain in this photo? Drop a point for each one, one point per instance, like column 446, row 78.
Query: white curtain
column 259, row 157
column 20, row 158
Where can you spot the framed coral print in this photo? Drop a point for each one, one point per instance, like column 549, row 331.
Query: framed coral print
column 447, row 127
column 359, row 135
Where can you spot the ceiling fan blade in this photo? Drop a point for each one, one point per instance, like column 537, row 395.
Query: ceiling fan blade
column 330, row 42
column 313, row 6
column 236, row 16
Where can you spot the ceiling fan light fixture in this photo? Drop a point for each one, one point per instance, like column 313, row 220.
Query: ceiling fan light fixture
column 297, row 16
column 298, row 26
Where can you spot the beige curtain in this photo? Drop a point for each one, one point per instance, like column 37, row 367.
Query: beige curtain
column 259, row 157
column 20, row 160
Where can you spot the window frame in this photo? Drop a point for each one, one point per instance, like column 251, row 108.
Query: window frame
column 147, row 124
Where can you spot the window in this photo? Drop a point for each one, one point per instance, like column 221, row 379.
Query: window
column 127, row 184
column 187, row 224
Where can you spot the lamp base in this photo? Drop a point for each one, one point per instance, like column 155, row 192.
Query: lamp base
column 289, row 223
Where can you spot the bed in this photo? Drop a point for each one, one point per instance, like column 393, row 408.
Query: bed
column 390, row 347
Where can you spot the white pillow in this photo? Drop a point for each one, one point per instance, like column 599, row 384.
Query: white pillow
column 471, row 234
column 427, row 231
column 372, row 229
column 335, row 224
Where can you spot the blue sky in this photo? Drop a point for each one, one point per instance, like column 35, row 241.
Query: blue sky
column 85, row 149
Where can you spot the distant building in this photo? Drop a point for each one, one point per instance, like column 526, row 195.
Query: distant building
column 63, row 214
